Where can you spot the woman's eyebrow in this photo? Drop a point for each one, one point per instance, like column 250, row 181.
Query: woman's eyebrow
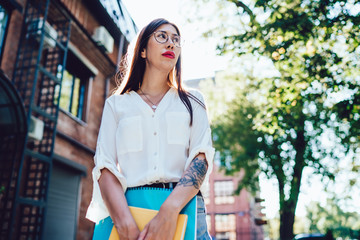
column 173, row 34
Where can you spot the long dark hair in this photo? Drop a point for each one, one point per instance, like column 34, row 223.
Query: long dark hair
column 131, row 77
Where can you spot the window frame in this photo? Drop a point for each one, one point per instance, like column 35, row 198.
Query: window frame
column 86, row 77
column 9, row 6
column 3, row 37
column 222, row 196
column 225, row 222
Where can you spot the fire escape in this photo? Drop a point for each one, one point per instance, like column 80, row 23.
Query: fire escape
column 37, row 77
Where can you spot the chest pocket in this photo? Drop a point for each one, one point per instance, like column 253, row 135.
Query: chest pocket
column 129, row 135
column 178, row 128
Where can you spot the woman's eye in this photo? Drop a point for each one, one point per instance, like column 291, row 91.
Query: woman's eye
column 176, row 39
column 162, row 35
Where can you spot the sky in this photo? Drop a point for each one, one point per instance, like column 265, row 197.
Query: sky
column 199, row 60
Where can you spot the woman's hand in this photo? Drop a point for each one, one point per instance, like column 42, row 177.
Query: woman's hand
column 114, row 198
column 161, row 227
column 127, row 229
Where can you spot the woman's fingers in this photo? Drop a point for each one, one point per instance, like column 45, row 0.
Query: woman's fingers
column 128, row 230
column 159, row 228
column 144, row 232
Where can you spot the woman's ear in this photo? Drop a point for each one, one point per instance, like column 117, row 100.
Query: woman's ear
column 143, row 53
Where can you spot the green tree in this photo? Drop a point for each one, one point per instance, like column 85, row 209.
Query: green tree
column 277, row 124
column 343, row 224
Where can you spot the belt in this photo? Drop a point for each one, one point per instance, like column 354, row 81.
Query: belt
column 168, row 185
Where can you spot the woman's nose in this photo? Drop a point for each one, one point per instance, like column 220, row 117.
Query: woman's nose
column 170, row 44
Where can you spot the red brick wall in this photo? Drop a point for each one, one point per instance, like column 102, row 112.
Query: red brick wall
column 67, row 150
column 80, row 11
column 86, row 133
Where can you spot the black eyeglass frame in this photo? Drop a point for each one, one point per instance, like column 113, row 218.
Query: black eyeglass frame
column 178, row 45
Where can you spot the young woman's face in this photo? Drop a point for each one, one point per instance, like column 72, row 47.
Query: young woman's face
column 161, row 53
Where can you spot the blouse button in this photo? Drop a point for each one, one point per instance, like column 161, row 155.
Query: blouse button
column 155, row 153
column 153, row 115
column 154, row 133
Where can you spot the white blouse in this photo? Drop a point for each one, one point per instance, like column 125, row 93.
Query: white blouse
column 141, row 147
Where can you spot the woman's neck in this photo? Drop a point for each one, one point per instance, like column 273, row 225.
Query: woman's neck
column 154, row 82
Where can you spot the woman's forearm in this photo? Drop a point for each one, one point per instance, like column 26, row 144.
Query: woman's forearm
column 187, row 187
column 113, row 196
column 189, row 184
column 195, row 173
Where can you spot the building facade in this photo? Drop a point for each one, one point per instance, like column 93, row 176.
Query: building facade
column 57, row 63
column 231, row 216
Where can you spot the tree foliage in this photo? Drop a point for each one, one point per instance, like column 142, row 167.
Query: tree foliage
column 278, row 124
column 332, row 217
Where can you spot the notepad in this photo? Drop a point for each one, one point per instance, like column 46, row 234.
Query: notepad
column 142, row 216
column 151, row 200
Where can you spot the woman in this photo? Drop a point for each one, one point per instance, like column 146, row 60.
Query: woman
column 153, row 133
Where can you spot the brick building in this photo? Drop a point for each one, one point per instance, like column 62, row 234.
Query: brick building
column 57, row 60
column 230, row 216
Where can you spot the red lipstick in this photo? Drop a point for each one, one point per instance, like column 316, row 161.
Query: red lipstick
column 169, row 54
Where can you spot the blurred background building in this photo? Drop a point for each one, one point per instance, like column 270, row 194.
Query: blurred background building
column 230, row 216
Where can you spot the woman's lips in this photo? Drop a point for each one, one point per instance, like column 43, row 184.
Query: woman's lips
column 169, row 54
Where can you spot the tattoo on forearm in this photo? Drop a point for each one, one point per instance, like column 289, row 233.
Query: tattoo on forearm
column 195, row 174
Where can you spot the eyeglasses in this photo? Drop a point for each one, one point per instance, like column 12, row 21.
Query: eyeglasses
column 163, row 37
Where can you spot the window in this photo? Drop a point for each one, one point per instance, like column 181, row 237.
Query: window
column 224, row 191
column 225, row 226
column 3, row 23
column 74, row 87
column 225, row 222
column 226, row 236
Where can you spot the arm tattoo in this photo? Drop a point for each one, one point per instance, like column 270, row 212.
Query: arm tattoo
column 194, row 174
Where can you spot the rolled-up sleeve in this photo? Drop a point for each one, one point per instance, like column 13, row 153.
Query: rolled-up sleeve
column 105, row 157
column 200, row 137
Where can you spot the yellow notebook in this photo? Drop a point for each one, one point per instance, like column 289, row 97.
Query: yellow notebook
column 142, row 216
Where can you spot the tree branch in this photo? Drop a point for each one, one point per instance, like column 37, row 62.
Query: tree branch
column 242, row 5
